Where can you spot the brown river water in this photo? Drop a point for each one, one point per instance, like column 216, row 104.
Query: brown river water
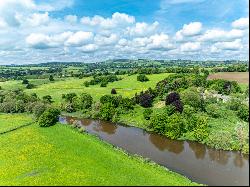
column 196, row 161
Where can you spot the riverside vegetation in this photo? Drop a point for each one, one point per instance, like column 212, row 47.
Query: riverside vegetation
column 177, row 102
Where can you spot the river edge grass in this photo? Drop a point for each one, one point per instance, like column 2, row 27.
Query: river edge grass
column 80, row 115
column 27, row 168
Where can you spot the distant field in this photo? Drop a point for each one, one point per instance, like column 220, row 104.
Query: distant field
column 127, row 87
column 240, row 77
column 59, row 155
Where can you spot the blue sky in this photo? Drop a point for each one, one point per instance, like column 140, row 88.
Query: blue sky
column 33, row 31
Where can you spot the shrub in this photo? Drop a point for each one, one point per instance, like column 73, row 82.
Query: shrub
column 201, row 130
column 85, row 101
column 38, row 109
column 192, row 98
column 243, row 113
column 107, row 111
column 188, row 110
column 30, row 86
column 213, row 110
column 25, row 81
column 49, row 117
column 51, row 78
column 113, row 91
column 146, row 100
column 104, row 84
column 47, row 99
column 175, row 126
column 69, row 97
column 142, row 78
column 172, row 97
column 147, row 113
column 158, row 121
column 234, row 104
column 178, row 105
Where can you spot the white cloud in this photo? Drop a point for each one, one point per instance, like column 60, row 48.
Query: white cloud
column 80, row 38
column 38, row 19
column 160, row 42
column 216, row 35
column 71, row 18
column 189, row 30
column 242, row 23
column 118, row 19
column 190, row 46
column 142, row 29
column 234, row 45
column 38, row 41
column 89, row 48
column 102, row 40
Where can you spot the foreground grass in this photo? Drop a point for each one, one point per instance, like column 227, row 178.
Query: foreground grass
column 59, row 155
column 12, row 121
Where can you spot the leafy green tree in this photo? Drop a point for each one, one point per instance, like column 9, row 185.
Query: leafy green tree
column 47, row 99
column 107, row 111
column 142, row 78
column 51, row 78
column 191, row 97
column 49, row 117
column 85, row 101
column 147, row 113
column 243, row 113
column 25, row 81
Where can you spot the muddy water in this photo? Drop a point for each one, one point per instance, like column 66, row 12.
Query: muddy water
column 196, row 161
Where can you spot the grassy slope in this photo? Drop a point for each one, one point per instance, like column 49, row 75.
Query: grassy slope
column 128, row 86
column 60, row 155
column 11, row 121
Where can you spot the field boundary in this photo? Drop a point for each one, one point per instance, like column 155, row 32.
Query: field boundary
column 16, row 128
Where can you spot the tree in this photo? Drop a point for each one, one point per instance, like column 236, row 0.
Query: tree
column 25, row 81
column 47, row 99
column 172, row 97
column 142, row 78
column 191, row 97
column 51, row 78
column 85, row 101
column 146, row 100
column 113, row 91
column 30, row 86
column 49, row 117
column 147, row 113
column 69, row 97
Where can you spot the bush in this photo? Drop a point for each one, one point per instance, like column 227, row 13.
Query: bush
column 178, row 105
column 146, row 100
column 158, row 121
column 30, row 86
column 113, row 91
column 142, row 78
column 147, row 113
column 172, row 97
column 234, row 104
column 49, row 117
column 188, row 110
column 25, row 81
column 85, row 101
column 213, row 110
column 243, row 113
column 104, row 84
column 192, row 98
column 47, row 99
column 175, row 126
column 51, row 78
column 107, row 111
column 38, row 109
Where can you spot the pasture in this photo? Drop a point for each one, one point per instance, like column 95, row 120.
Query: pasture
column 60, row 155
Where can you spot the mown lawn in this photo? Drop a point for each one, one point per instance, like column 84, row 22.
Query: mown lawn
column 60, row 155
column 11, row 121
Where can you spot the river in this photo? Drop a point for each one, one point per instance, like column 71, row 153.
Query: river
column 196, row 161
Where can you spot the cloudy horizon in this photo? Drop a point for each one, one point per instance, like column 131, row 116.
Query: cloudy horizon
column 35, row 31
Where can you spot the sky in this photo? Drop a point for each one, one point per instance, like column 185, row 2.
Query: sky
column 38, row 31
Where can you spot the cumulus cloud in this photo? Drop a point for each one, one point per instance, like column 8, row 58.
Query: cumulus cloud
column 37, row 19
column 160, row 42
column 189, row 30
column 242, row 23
column 80, row 38
column 117, row 19
column 234, row 45
column 71, row 18
column 89, row 48
column 190, row 47
column 103, row 40
column 142, row 29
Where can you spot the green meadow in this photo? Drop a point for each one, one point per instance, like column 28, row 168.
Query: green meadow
column 60, row 155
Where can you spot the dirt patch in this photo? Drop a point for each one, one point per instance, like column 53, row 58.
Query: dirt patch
column 240, row 77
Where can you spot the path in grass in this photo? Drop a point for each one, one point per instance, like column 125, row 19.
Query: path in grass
column 60, row 155
column 127, row 87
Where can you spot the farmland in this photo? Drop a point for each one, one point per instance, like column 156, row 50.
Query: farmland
column 54, row 156
column 240, row 77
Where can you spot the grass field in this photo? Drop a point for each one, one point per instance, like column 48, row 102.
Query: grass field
column 240, row 77
column 60, row 155
column 11, row 121
column 127, row 87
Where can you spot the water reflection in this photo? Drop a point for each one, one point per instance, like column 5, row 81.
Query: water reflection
column 104, row 127
column 162, row 143
column 198, row 149
column 238, row 160
column 219, row 156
